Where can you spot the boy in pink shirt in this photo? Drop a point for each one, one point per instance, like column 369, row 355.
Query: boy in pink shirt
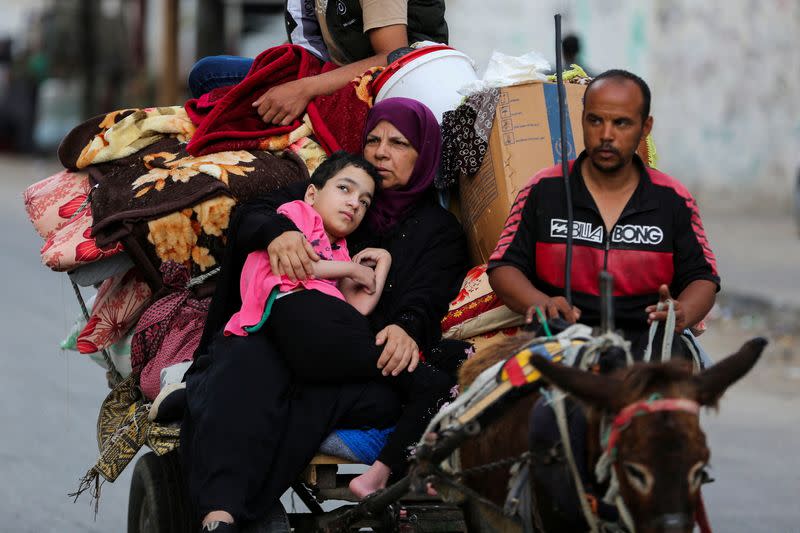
column 336, row 201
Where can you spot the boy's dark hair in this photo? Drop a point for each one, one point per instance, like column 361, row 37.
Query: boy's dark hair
column 339, row 160
column 619, row 74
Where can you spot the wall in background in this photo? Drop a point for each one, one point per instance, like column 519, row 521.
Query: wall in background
column 725, row 75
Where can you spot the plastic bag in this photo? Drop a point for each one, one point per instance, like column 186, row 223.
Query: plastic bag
column 504, row 70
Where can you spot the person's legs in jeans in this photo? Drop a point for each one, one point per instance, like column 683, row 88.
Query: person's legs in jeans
column 217, row 71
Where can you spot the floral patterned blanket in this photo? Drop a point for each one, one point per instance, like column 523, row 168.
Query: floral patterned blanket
column 161, row 202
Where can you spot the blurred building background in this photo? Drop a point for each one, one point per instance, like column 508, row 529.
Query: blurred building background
column 724, row 73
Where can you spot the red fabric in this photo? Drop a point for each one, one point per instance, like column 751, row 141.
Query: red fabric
column 515, row 374
column 338, row 120
column 51, row 202
column 652, row 268
column 226, row 119
column 639, row 272
column 471, row 310
column 120, row 301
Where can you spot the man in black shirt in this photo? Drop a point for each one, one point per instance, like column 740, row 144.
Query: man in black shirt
column 639, row 224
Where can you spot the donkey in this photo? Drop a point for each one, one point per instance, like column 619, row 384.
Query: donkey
column 659, row 451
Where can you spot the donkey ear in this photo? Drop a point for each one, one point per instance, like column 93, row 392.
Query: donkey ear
column 712, row 382
column 595, row 390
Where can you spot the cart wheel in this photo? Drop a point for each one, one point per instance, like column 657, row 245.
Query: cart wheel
column 158, row 501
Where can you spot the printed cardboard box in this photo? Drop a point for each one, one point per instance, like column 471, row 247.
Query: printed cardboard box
column 525, row 138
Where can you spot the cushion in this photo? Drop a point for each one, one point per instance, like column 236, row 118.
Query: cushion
column 71, row 245
column 119, row 302
column 51, row 202
column 59, row 209
column 120, row 352
column 485, row 340
column 477, row 309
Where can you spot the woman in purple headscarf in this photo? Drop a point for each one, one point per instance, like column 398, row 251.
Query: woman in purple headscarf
column 429, row 255
column 402, row 139
column 429, row 258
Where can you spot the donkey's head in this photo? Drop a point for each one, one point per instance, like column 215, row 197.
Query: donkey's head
column 657, row 448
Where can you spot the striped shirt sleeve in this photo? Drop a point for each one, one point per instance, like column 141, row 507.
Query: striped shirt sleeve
column 516, row 246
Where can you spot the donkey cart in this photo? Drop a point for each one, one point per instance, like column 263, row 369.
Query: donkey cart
column 159, row 503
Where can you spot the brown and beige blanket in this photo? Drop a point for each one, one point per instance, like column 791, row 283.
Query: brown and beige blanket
column 161, row 202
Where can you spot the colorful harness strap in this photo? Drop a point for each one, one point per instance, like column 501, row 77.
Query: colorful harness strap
column 652, row 405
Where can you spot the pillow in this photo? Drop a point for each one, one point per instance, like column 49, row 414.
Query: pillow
column 477, row 309
column 485, row 340
column 51, row 202
column 119, row 302
column 72, row 245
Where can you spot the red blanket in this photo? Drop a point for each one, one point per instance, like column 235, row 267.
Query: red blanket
column 226, row 120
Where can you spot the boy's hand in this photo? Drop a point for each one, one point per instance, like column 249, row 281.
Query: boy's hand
column 372, row 257
column 363, row 276
column 291, row 254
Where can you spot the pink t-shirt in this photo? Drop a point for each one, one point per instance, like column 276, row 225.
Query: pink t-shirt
column 257, row 279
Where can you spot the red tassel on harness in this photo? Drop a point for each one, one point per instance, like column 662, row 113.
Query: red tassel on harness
column 701, row 517
column 515, row 373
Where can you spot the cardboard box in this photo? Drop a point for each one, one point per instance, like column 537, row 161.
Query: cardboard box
column 525, row 138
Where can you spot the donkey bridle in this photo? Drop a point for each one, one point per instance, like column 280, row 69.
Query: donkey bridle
column 654, row 404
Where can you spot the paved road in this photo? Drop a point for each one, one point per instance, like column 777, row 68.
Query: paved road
column 50, row 399
column 757, row 253
column 753, row 440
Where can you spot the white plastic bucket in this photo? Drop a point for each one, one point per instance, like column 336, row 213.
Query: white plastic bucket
column 433, row 78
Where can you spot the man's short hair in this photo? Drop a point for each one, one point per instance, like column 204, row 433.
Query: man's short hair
column 619, row 74
column 338, row 161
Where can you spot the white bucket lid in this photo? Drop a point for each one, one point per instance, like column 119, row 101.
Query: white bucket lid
column 433, row 79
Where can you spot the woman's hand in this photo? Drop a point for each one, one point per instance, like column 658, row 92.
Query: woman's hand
column 291, row 254
column 282, row 104
column 400, row 351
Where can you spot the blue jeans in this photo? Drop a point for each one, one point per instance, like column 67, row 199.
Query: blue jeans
column 217, row 71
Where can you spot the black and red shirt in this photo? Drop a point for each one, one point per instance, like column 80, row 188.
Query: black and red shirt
column 658, row 239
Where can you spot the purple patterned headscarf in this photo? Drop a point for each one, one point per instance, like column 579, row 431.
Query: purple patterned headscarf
column 418, row 124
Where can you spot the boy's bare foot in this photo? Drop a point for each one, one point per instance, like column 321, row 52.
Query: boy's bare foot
column 430, row 490
column 373, row 479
